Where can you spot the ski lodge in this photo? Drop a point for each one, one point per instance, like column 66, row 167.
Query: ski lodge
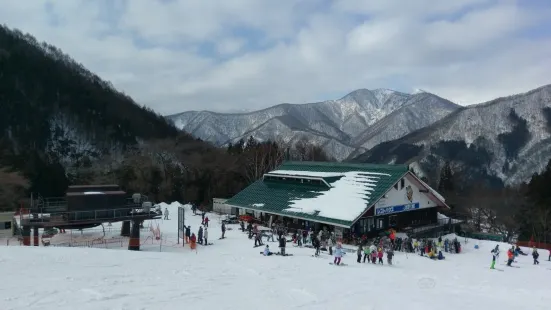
column 360, row 199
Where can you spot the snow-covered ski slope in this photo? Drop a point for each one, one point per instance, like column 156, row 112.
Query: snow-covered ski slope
column 232, row 275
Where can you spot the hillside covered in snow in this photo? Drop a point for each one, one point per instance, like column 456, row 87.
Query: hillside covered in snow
column 505, row 140
column 231, row 274
column 339, row 126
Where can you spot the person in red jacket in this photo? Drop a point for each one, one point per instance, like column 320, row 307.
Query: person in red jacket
column 392, row 237
column 193, row 243
column 510, row 257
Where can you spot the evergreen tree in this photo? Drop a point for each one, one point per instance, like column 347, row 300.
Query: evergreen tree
column 446, row 183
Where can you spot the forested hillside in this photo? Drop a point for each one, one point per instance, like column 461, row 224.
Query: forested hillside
column 61, row 124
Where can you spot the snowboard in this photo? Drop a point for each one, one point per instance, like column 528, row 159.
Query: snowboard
column 256, row 246
column 341, row 264
column 278, row 253
column 497, row 269
column 221, row 238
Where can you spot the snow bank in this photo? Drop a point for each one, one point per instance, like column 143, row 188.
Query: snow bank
column 174, row 204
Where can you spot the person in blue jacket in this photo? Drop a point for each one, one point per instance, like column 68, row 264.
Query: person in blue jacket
column 339, row 253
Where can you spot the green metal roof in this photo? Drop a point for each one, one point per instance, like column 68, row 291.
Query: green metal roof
column 367, row 183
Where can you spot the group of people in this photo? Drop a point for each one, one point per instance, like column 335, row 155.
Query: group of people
column 514, row 252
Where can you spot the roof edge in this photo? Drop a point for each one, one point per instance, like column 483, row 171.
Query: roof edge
column 287, row 215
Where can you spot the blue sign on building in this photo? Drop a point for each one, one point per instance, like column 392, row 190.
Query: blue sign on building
column 397, row 209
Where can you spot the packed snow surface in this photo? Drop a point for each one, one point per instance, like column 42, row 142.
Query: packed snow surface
column 231, row 274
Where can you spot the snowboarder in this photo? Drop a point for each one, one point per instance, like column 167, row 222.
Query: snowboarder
column 282, row 242
column 200, row 235
column 267, row 251
column 206, row 220
column 223, row 230
column 339, row 253
column 495, row 256
column 166, row 214
column 389, row 256
column 535, row 255
column 206, row 236
column 242, row 224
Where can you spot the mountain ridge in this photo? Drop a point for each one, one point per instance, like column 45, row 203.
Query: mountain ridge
column 333, row 124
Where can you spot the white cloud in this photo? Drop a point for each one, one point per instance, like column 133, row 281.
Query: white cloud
column 177, row 55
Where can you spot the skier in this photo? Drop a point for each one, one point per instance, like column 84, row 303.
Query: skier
column 267, row 251
column 206, row 236
column 206, row 220
column 188, row 233
column 360, row 252
column 223, row 230
column 339, row 253
column 389, row 256
column 495, row 256
column 535, row 255
column 166, row 214
column 282, row 242
column 200, row 235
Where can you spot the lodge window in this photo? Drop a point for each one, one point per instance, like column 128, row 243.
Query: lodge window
column 5, row 225
column 392, row 220
column 370, row 224
column 380, row 223
column 402, row 183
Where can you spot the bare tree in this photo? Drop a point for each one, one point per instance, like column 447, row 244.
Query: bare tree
column 12, row 188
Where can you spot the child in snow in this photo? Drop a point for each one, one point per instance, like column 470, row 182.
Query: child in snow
column 360, row 252
column 535, row 256
column 440, row 255
column 206, row 236
column 193, row 241
column 389, row 256
column 374, row 256
column 510, row 256
column 267, row 251
column 339, row 253
column 380, row 255
column 495, row 256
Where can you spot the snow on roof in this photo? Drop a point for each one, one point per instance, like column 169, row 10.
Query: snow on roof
column 323, row 174
column 258, row 205
column 346, row 200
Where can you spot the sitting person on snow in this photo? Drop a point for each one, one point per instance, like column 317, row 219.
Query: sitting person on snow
column 519, row 251
column 440, row 255
column 267, row 251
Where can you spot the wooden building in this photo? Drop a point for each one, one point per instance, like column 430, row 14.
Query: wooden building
column 363, row 199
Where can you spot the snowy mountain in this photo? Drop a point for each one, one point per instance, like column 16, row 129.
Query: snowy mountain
column 340, row 126
column 505, row 140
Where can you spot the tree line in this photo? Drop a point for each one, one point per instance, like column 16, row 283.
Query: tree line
column 522, row 211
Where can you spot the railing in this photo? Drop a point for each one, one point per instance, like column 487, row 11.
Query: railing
column 441, row 227
column 88, row 216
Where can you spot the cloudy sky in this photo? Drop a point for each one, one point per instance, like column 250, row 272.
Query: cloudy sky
column 178, row 55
